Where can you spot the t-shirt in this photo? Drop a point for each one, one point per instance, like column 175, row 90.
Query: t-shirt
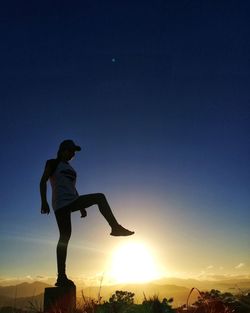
column 63, row 182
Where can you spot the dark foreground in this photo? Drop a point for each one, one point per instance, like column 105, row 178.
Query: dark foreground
column 123, row 302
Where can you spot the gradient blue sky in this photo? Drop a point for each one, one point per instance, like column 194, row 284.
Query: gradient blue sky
column 157, row 94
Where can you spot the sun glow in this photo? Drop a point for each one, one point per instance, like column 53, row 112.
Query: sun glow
column 133, row 262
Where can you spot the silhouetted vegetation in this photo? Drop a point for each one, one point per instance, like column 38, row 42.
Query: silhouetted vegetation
column 215, row 301
column 212, row 301
column 154, row 305
column 208, row 302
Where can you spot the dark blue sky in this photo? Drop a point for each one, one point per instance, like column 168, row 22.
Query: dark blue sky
column 156, row 93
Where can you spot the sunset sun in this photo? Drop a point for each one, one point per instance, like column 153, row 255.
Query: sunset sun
column 133, row 262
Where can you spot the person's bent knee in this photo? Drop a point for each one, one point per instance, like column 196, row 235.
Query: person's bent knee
column 100, row 197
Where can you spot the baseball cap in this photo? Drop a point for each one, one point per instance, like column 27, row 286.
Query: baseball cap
column 69, row 144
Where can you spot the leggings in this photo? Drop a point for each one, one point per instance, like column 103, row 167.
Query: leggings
column 63, row 218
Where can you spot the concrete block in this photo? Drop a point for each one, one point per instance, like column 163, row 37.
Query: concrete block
column 60, row 299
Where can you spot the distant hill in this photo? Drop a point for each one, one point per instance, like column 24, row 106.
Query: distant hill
column 23, row 303
column 6, row 301
column 232, row 285
column 23, row 290
column 179, row 293
column 21, row 295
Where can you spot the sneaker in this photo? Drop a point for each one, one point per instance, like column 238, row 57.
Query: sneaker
column 118, row 230
column 63, row 281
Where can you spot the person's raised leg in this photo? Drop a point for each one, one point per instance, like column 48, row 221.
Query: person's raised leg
column 99, row 199
column 63, row 219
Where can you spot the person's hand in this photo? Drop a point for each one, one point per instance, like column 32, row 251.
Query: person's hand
column 45, row 208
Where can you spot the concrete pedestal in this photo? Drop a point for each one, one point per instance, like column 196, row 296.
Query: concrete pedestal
column 60, row 299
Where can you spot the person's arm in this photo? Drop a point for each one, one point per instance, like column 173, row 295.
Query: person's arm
column 43, row 188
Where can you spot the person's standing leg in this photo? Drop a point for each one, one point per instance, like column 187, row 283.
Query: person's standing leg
column 63, row 219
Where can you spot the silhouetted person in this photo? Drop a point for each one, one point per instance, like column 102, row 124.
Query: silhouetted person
column 65, row 199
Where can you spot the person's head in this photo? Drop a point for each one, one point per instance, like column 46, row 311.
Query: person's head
column 67, row 150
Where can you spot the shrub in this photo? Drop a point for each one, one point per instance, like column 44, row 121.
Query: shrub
column 154, row 305
column 119, row 302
